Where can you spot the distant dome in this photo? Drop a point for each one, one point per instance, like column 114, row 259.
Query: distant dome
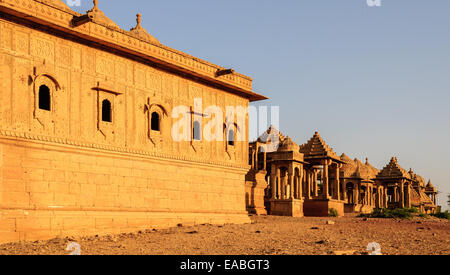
column 288, row 145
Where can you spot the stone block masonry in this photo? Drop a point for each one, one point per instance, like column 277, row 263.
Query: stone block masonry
column 51, row 190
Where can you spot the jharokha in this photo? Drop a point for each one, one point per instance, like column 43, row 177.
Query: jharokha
column 86, row 145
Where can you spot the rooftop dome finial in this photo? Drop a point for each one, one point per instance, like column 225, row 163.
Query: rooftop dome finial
column 138, row 20
column 95, row 8
column 367, row 160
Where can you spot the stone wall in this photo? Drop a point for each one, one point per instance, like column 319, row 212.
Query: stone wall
column 51, row 190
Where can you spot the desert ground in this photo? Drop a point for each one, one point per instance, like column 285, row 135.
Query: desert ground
column 264, row 236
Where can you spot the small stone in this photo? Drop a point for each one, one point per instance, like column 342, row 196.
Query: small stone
column 314, row 228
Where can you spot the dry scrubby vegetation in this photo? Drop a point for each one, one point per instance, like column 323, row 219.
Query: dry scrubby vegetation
column 403, row 213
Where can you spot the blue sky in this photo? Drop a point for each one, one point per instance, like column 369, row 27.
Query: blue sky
column 374, row 81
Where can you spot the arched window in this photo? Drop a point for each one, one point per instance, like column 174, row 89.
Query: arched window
column 155, row 123
column 231, row 137
column 106, row 111
column 196, row 131
column 44, row 98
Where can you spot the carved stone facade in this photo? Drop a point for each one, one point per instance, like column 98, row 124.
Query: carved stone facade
column 86, row 121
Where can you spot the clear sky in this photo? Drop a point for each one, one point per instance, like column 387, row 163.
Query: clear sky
column 374, row 81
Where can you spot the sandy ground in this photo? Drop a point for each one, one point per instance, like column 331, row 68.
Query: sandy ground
column 265, row 236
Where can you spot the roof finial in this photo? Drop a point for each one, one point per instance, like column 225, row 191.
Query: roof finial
column 367, row 161
column 95, row 8
column 138, row 20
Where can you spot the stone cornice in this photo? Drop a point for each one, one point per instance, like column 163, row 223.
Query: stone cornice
column 61, row 20
column 114, row 149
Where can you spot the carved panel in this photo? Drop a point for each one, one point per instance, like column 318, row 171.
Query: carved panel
column 6, row 38
column 105, row 66
column 21, row 42
column 121, row 72
column 76, row 58
column 139, row 76
column 88, row 60
column 43, row 48
column 154, row 82
column 63, row 57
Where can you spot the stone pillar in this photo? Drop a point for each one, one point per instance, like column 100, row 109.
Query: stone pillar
column 300, row 183
column 265, row 161
column 344, row 191
column 256, row 158
column 279, row 184
column 357, row 189
column 338, row 191
column 325, row 180
column 308, row 187
column 273, row 181
column 291, row 184
column 408, row 195
column 253, row 158
column 316, row 184
column 385, row 198
column 402, row 195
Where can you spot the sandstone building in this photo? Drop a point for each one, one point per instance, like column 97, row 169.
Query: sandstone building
column 311, row 180
column 86, row 118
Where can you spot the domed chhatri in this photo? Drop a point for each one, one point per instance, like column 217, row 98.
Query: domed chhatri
column 142, row 33
column 289, row 146
column 315, row 180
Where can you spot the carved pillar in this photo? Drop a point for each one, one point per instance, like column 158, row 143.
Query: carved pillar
column 283, row 186
column 256, row 158
column 408, row 195
column 291, row 181
column 300, row 181
column 338, row 191
column 357, row 191
column 308, row 187
column 325, row 180
column 253, row 158
column 316, row 184
column 402, row 195
column 265, row 161
column 385, row 198
column 273, row 181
